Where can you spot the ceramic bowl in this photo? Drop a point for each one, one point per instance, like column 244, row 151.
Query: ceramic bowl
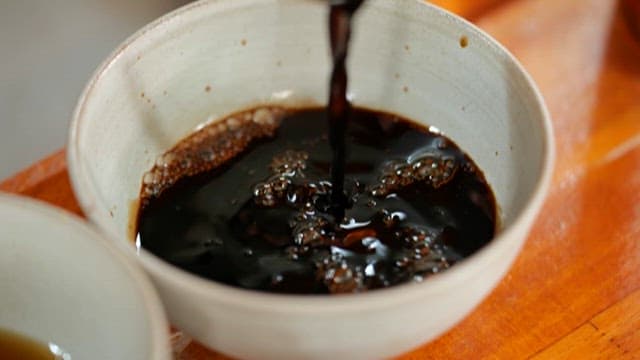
column 216, row 57
column 64, row 283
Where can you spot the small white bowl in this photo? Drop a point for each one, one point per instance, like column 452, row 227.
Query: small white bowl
column 63, row 283
column 215, row 57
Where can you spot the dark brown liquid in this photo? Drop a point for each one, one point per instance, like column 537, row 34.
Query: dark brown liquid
column 247, row 202
column 340, row 15
column 18, row 347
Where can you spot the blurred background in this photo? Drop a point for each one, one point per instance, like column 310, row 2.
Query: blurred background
column 48, row 51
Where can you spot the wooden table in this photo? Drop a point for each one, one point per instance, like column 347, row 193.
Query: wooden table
column 574, row 292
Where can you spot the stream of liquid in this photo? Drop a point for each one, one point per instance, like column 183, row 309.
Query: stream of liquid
column 340, row 19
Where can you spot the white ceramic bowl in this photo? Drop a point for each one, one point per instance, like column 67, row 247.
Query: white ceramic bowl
column 215, row 57
column 61, row 282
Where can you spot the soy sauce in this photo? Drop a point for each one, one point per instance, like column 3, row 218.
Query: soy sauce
column 247, row 202
column 340, row 18
column 14, row 346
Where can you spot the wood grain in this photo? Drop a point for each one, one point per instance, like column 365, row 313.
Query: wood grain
column 614, row 333
column 574, row 292
column 47, row 181
column 583, row 255
column 469, row 9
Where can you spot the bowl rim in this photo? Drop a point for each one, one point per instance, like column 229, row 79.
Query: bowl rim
column 89, row 198
column 46, row 214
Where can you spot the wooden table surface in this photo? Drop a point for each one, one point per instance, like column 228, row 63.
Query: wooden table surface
column 574, row 292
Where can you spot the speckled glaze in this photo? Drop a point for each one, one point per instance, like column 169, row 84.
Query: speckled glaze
column 215, row 57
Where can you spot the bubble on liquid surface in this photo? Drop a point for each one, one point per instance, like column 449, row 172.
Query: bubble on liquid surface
column 285, row 168
column 433, row 169
column 289, row 162
column 339, row 277
column 210, row 147
column 312, row 228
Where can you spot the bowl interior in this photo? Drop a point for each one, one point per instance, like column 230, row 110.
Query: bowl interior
column 62, row 284
column 217, row 57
